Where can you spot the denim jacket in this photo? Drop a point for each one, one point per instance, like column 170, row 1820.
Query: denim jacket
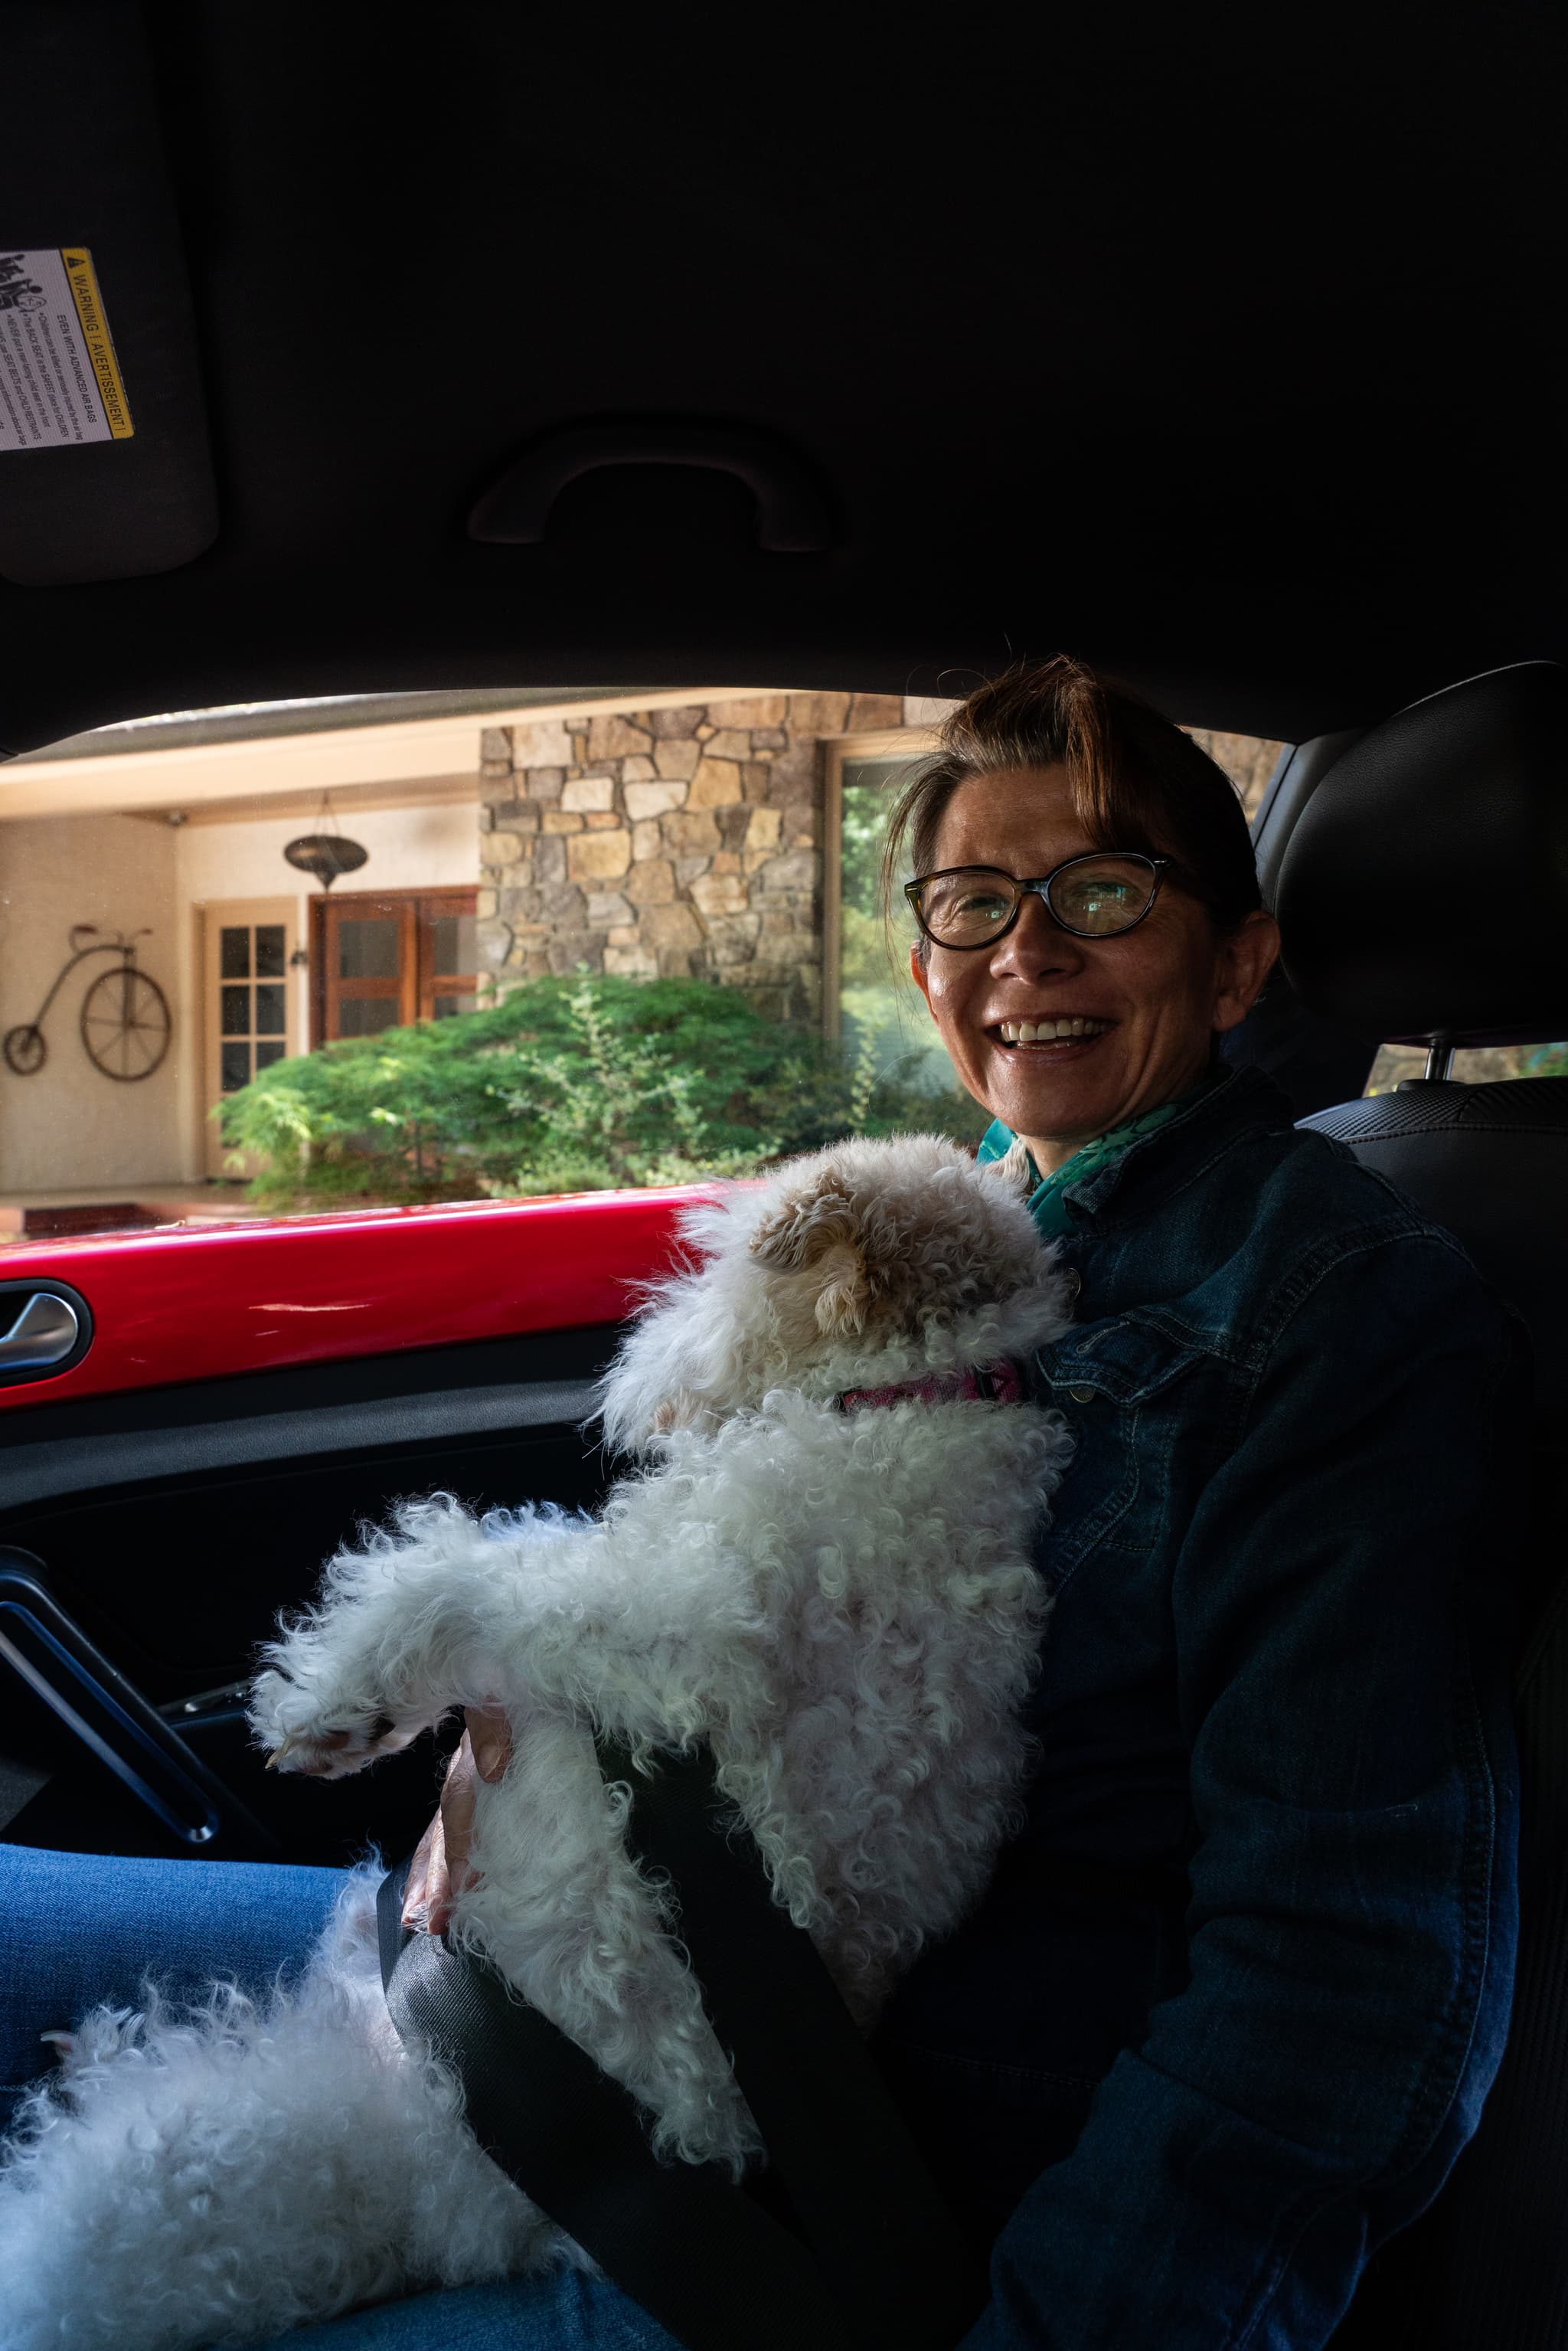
column 1231, row 2004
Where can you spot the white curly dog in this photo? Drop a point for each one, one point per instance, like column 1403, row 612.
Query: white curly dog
column 840, row 1599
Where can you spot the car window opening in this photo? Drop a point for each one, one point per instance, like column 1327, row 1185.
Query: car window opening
column 593, row 941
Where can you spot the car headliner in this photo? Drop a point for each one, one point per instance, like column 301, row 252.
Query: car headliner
column 1237, row 373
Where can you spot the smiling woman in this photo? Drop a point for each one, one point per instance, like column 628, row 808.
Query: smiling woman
column 1200, row 2000
column 1087, row 905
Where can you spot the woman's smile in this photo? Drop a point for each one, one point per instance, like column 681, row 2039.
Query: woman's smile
column 1056, row 1033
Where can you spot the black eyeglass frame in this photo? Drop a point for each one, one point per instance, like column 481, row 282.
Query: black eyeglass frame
column 1040, row 887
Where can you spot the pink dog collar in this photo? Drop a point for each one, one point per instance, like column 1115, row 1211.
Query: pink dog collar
column 1000, row 1382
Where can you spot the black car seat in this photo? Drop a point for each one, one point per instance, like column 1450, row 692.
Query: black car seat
column 1424, row 897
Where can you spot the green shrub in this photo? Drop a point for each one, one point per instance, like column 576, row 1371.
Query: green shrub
column 581, row 1084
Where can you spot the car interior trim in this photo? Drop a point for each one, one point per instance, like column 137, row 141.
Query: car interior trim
column 67, row 1465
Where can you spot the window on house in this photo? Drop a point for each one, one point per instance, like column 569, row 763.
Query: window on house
column 385, row 959
column 252, row 991
column 246, row 1002
column 874, row 1006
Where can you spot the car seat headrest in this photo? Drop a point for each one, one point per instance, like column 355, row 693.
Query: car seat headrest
column 1424, row 889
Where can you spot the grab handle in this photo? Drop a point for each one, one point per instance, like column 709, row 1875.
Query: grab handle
column 791, row 514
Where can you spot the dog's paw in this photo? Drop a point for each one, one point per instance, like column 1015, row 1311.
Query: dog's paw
column 333, row 1753
column 307, row 1732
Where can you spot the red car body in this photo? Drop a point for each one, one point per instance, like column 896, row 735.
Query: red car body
column 199, row 1303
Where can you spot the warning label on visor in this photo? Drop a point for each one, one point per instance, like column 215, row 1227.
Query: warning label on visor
column 59, row 379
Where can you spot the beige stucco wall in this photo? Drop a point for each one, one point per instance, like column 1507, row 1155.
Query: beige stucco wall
column 68, row 1125
column 411, row 848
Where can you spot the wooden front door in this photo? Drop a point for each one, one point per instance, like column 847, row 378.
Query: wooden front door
column 383, row 959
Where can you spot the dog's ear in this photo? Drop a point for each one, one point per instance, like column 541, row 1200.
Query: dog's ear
column 806, row 1223
column 815, row 1230
column 841, row 1300
column 1014, row 1168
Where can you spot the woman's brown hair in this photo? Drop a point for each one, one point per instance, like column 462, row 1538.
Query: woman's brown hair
column 1136, row 781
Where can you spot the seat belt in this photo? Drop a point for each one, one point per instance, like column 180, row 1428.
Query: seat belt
column 883, row 2263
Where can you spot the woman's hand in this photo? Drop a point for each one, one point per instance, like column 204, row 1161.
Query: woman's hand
column 439, row 1870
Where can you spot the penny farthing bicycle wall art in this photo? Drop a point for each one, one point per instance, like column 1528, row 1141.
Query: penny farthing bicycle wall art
column 124, row 1019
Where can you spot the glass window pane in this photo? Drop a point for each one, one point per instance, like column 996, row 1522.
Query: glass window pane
column 366, row 1016
column 1480, row 1065
column 235, row 1019
column 881, row 1013
column 1393, row 1063
column 235, row 1067
column 266, row 1054
column 368, row 947
column 1491, row 1065
column 269, row 951
column 233, row 951
column 455, row 948
column 270, row 1016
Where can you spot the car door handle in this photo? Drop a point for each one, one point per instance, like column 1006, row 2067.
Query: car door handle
column 43, row 1334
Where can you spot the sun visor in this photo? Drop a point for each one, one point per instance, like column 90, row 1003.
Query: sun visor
column 105, row 471
column 1424, row 889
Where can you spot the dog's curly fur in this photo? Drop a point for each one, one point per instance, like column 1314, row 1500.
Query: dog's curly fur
column 843, row 1603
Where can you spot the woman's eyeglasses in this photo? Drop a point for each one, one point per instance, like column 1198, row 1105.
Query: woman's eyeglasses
column 1094, row 897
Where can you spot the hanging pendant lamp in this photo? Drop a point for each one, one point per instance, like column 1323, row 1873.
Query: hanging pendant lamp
column 326, row 853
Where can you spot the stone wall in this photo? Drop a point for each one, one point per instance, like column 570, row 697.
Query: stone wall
column 1248, row 759
column 682, row 842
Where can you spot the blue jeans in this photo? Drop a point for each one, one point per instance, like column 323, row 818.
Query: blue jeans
column 76, row 1929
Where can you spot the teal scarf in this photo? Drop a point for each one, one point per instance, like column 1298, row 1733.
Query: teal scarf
column 1047, row 1202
